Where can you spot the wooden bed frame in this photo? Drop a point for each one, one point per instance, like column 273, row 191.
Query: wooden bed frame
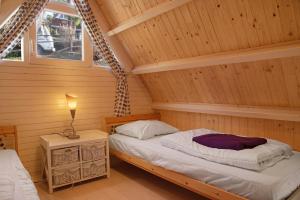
column 194, row 185
column 10, row 130
column 212, row 192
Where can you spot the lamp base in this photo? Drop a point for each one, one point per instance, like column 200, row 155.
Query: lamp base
column 73, row 136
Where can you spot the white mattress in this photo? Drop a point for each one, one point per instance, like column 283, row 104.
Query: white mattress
column 15, row 181
column 273, row 183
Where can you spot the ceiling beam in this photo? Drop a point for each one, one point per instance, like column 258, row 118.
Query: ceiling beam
column 281, row 50
column 232, row 110
column 148, row 14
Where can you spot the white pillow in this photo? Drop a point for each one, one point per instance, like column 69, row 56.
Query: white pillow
column 145, row 129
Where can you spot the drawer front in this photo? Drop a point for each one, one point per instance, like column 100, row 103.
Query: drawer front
column 94, row 169
column 93, row 151
column 65, row 156
column 66, row 175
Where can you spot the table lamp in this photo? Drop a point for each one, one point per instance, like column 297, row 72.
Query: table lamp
column 72, row 104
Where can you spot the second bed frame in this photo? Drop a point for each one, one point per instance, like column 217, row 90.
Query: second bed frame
column 10, row 131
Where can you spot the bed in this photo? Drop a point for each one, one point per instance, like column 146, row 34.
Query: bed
column 15, row 181
column 213, row 180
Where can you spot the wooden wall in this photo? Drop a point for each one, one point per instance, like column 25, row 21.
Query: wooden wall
column 288, row 132
column 205, row 27
column 33, row 99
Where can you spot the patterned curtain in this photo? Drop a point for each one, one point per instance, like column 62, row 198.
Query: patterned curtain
column 122, row 105
column 12, row 31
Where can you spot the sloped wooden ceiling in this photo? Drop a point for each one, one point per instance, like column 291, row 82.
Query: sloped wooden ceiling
column 265, row 83
column 205, row 27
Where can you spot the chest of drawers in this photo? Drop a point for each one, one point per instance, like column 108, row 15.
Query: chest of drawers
column 68, row 161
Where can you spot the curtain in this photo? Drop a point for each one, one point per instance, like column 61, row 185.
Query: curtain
column 122, row 105
column 12, row 31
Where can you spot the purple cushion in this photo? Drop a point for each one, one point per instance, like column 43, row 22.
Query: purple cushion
column 228, row 141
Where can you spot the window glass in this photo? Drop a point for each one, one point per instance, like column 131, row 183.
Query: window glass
column 98, row 59
column 59, row 36
column 15, row 54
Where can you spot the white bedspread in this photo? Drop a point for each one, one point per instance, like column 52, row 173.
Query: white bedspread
column 15, row 182
column 273, row 183
column 258, row 158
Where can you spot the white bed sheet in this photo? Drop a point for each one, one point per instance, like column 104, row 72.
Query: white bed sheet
column 273, row 183
column 15, row 181
column 257, row 159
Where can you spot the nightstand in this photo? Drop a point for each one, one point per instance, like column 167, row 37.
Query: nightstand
column 68, row 161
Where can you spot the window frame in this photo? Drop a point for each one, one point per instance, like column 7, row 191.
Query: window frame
column 24, row 44
column 34, row 58
column 22, row 54
column 30, row 59
column 25, row 54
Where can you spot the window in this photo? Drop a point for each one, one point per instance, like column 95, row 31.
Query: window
column 59, row 36
column 15, row 54
column 98, row 59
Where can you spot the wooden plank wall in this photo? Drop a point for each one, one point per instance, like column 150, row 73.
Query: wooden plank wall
column 33, row 99
column 288, row 132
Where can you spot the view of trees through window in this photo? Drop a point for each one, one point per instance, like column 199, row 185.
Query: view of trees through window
column 15, row 54
column 59, row 36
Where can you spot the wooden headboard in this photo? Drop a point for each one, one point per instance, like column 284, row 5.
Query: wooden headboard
column 115, row 121
column 10, row 131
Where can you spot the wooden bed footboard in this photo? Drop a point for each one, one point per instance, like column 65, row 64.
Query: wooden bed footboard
column 10, row 132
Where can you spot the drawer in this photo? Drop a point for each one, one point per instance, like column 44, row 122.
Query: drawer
column 93, row 151
column 66, row 175
column 65, row 156
column 94, row 169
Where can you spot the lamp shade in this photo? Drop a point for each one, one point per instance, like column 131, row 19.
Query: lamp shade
column 71, row 101
column 72, row 104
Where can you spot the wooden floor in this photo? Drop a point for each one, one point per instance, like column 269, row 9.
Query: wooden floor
column 126, row 183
